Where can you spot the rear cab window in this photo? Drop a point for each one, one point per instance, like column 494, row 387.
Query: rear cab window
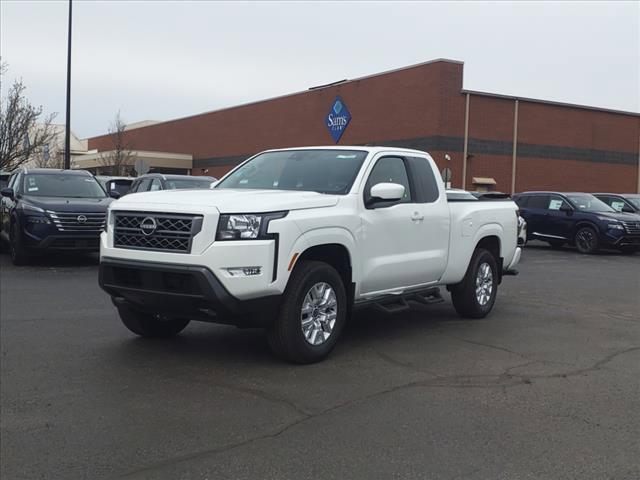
column 424, row 180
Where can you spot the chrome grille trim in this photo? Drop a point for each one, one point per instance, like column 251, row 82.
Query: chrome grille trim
column 68, row 221
column 632, row 228
column 173, row 232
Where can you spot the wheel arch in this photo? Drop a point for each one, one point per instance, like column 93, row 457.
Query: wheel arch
column 581, row 224
column 493, row 244
column 338, row 256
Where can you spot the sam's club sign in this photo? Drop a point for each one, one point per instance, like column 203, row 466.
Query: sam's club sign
column 337, row 119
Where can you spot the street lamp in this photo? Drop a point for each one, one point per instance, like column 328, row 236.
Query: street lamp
column 67, row 132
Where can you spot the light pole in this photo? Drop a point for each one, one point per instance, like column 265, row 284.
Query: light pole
column 67, row 132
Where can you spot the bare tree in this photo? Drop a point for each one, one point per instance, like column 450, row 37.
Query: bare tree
column 120, row 159
column 23, row 130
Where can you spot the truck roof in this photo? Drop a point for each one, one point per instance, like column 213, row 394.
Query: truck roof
column 365, row 148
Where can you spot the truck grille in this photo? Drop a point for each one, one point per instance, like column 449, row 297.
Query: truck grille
column 85, row 222
column 155, row 231
column 632, row 228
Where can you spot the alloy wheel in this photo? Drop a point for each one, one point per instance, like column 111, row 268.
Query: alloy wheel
column 484, row 284
column 585, row 240
column 319, row 313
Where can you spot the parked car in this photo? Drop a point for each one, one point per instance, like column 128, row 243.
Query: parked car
column 292, row 240
column 578, row 219
column 152, row 182
column 459, row 195
column 4, row 178
column 49, row 209
column 621, row 202
column 122, row 185
column 490, row 195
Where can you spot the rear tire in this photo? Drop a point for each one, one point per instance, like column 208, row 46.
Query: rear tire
column 148, row 325
column 312, row 314
column 586, row 240
column 475, row 295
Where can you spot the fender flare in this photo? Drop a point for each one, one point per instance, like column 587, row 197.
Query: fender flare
column 327, row 236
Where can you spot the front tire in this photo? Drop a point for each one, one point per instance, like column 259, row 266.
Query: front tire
column 312, row 314
column 19, row 256
column 475, row 295
column 586, row 240
column 148, row 325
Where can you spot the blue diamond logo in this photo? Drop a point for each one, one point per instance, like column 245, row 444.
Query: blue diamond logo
column 337, row 119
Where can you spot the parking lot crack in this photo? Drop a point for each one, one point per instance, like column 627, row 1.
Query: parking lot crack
column 503, row 380
column 599, row 365
column 266, row 396
column 487, row 345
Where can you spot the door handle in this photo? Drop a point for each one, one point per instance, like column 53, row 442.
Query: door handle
column 417, row 217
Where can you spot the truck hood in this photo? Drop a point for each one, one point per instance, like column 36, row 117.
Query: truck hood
column 229, row 200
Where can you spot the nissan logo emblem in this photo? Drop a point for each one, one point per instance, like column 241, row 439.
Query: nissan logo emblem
column 81, row 218
column 148, row 225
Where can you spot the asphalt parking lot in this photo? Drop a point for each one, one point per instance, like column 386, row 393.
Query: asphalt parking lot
column 547, row 387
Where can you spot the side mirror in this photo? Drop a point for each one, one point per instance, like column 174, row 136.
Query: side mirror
column 387, row 192
column 8, row 192
column 566, row 209
column 114, row 194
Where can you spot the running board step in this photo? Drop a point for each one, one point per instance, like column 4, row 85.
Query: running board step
column 428, row 298
column 392, row 305
column 399, row 303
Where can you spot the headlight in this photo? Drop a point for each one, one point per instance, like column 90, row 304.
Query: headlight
column 615, row 226
column 247, row 226
column 27, row 207
column 109, row 221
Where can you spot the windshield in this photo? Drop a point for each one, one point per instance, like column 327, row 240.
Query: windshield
column 184, row 183
column 68, row 185
column 589, row 203
column 323, row 171
column 635, row 199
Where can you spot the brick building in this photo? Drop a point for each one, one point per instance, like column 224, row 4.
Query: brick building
column 518, row 143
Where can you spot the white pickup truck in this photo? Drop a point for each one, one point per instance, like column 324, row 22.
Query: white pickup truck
column 291, row 240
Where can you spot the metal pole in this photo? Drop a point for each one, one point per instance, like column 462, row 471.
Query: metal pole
column 67, row 132
column 515, row 148
column 466, row 143
column 638, row 164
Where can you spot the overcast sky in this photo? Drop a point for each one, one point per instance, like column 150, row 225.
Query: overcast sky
column 161, row 60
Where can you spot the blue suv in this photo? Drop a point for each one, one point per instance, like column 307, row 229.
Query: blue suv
column 49, row 209
column 578, row 219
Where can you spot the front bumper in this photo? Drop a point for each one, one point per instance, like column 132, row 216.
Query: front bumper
column 514, row 261
column 628, row 241
column 617, row 239
column 186, row 291
column 46, row 237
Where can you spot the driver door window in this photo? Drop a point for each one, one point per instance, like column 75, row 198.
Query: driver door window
column 557, row 203
column 155, row 185
column 389, row 170
column 143, row 186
